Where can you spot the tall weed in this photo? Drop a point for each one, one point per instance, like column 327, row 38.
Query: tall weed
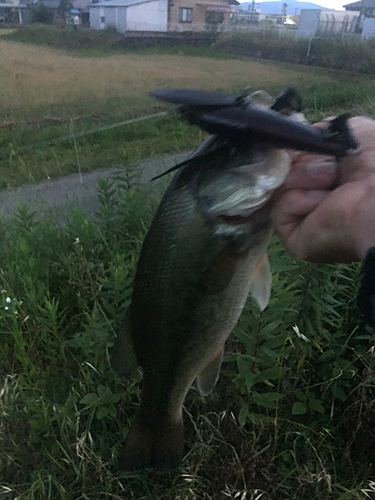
column 349, row 54
column 293, row 411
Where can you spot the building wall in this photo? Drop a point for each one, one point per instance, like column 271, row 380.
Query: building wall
column 103, row 17
column 199, row 13
column 110, row 14
column 337, row 22
column 150, row 16
column 308, row 23
column 122, row 19
column 95, row 18
column 368, row 27
column 326, row 22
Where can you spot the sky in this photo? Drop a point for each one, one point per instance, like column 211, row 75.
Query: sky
column 333, row 4
column 330, row 4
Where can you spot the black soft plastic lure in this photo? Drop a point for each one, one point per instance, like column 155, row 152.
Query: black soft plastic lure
column 235, row 122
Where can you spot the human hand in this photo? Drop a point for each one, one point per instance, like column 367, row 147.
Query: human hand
column 318, row 224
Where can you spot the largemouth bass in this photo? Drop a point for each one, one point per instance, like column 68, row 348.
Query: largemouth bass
column 203, row 254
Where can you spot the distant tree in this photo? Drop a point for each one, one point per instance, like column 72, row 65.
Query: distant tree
column 283, row 12
column 64, row 5
column 41, row 14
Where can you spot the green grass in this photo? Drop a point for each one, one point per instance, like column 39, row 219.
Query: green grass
column 116, row 147
column 291, row 418
column 135, row 142
column 99, row 42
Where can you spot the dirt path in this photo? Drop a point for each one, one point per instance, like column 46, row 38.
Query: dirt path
column 59, row 196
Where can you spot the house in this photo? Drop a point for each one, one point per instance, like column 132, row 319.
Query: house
column 367, row 7
column 18, row 11
column 366, row 23
column 13, row 11
column 188, row 15
column 245, row 17
column 130, row 15
column 353, row 6
column 325, row 22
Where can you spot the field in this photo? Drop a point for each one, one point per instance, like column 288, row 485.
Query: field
column 48, row 94
column 293, row 413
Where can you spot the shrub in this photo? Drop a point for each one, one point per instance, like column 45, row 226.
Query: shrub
column 349, row 53
column 41, row 14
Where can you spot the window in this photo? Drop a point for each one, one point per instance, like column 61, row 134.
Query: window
column 185, row 15
column 102, row 19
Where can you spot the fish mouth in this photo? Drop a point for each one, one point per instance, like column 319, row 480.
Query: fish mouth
column 235, row 220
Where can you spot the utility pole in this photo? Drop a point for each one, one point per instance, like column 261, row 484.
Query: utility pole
column 252, row 12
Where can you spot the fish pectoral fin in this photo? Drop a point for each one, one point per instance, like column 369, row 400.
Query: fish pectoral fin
column 123, row 358
column 260, row 285
column 207, row 378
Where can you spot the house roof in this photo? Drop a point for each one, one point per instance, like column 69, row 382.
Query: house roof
column 81, row 4
column 353, row 6
column 52, row 4
column 9, row 4
column 118, row 3
column 366, row 4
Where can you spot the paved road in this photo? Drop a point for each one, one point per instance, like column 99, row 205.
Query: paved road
column 59, row 196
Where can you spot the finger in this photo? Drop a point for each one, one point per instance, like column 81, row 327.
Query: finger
column 310, row 171
column 325, row 122
column 294, row 205
column 361, row 164
column 327, row 226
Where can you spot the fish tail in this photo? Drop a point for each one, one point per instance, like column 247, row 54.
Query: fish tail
column 160, row 447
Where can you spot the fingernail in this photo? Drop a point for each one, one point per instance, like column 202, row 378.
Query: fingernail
column 322, row 165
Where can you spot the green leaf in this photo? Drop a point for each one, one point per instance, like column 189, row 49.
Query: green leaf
column 112, row 411
column 259, row 419
column 347, row 496
column 244, row 413
column 104, row 392
column 300, row 395
column 316, row 405
column 102, row 412
column 271, row 373
column 267, row 399
column 299, row 408
column 275, row 342
column 90, row 399
column 245, row 373
column 338, row 393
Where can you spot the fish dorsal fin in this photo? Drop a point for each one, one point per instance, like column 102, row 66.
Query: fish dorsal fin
column 260, row 285
column 207, row 378
column 123, row 358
